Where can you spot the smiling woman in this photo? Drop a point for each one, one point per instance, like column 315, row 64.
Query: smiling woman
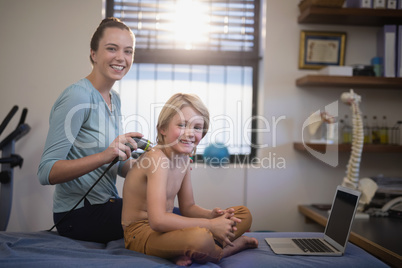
column 79, row 146
column 112, row 59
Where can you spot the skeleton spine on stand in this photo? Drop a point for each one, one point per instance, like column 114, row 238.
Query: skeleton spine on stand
column 367, row 186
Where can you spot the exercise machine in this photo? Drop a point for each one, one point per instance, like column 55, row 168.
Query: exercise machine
column 8, row 161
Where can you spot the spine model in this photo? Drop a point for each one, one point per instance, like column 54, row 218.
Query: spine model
column 352, row 171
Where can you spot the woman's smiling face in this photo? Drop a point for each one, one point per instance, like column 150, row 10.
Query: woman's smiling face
column 115, row 53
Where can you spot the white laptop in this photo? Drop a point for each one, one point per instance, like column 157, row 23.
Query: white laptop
column 336, row 232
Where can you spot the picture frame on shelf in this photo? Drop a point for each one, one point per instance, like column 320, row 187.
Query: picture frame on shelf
column 320, row 49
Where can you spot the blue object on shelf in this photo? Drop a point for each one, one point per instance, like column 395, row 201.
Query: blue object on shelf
column 216, row 154
column 377, row 65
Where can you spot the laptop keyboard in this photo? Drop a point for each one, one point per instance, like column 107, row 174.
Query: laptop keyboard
column 312, row 245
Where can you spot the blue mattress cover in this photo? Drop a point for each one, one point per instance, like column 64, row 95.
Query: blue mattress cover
column 48, row 249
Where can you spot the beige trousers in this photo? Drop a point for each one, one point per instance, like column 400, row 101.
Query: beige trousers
column 196, row 243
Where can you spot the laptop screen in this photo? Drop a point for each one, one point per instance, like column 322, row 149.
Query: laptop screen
column 341, row 217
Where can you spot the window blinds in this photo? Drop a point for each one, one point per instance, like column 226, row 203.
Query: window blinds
column 220, row 26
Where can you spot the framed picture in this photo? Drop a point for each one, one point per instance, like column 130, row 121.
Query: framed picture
column 320, row 49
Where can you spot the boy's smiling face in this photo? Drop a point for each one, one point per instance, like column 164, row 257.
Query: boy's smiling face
column 184, row 131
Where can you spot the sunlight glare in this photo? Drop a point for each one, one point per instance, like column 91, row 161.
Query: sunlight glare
column 191, row 23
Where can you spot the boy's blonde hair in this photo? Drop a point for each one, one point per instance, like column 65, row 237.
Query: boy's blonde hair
column 174, row 105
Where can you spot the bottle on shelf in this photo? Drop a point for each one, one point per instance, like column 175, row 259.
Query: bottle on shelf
column 366, row 130
column 346, row 130
column 384, row 131
column 340, row 131
column 396, row 133
column 375, row 131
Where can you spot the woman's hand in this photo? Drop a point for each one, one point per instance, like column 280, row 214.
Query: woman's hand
column 120, row 147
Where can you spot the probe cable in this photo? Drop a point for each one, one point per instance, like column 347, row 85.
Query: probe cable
column 142, row 143
column 82, row 198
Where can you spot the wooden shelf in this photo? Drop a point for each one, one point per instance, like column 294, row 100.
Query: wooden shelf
column 368, row 148
column 371, row 235
column 349, row 81
column 350, row 16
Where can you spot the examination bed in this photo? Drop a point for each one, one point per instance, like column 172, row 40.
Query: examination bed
column 48, row 249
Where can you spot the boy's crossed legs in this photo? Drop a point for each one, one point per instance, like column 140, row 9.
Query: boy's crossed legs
column 185, row 245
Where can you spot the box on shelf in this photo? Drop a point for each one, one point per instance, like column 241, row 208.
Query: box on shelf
column 359, row 3
column 337, row 70
column 379, row 4
column 322, row 3
column 392, row 4
column 363, row 70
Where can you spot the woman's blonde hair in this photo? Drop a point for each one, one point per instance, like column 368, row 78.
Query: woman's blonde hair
column 174, row 105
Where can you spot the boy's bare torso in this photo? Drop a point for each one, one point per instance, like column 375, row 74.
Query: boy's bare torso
column 135, row 185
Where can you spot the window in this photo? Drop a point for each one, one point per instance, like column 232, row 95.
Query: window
column 209, row 48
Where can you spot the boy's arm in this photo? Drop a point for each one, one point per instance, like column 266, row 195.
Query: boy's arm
column 187, row 204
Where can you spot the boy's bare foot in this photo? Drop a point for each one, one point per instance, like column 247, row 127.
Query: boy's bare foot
column 241, row 243
column 182, row 261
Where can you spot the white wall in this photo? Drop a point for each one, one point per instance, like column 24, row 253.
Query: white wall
column 45, row 47
column 273, row 194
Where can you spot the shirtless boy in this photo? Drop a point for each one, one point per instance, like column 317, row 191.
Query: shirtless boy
column 150, row 188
